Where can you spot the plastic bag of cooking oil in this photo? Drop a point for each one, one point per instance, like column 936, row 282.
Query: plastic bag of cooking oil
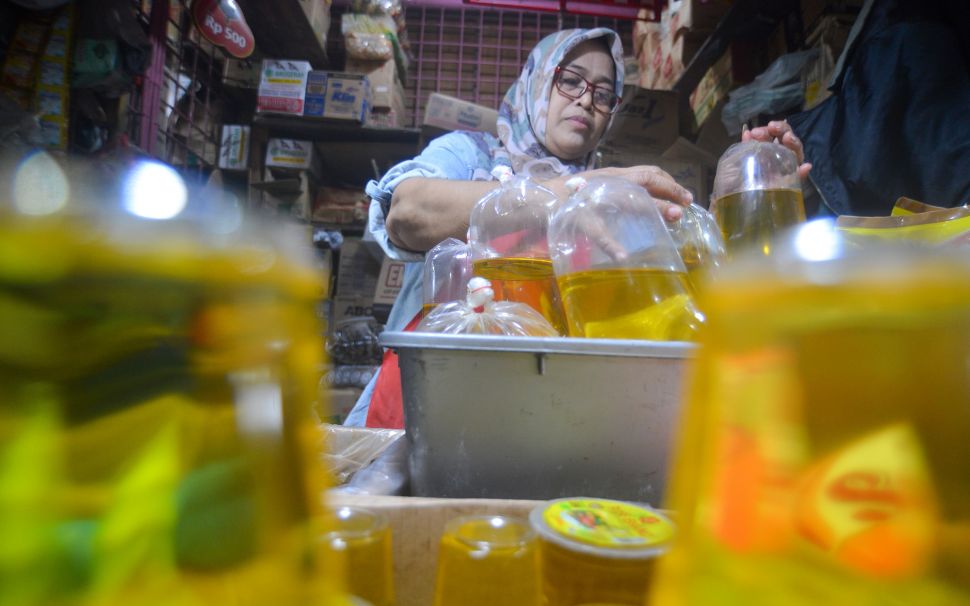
column 480, row 314
column 908, row 206
column 616, row 265
column 757, row 193
column 447, row 269
column 924, row 225
column 507, row 235
column 699, row 242
column 825, row 434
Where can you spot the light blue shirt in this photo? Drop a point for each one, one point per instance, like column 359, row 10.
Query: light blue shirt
column 453, row 156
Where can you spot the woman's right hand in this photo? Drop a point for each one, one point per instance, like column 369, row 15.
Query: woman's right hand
column 669, row 195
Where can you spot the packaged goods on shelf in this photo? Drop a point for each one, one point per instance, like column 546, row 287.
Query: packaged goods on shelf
column 450, row 113
column 282, row 86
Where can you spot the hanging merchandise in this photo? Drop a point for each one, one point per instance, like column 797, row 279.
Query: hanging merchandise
column 447, row 269
column 480, row 314
column 222, row 23
column 617, row 267
column 823, row 447
column 507, row 234
column 757, row 193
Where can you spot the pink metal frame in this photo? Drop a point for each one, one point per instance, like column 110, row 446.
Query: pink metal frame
column 476, row 53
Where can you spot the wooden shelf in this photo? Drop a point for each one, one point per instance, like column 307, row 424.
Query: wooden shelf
column 284, row 30
column 327, row 130
column 746, row 18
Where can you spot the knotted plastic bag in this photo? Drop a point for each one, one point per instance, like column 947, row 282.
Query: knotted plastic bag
column 480, row 314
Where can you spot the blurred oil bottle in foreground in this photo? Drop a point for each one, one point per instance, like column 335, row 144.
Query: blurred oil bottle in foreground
column 158, row 364
column 757, row 193
column 824, row 454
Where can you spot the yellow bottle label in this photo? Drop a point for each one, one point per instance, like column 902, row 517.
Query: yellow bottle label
column 609, row 524
column 871, row 504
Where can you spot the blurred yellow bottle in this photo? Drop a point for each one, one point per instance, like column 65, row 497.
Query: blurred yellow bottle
column 156, row 382
column 823, row 458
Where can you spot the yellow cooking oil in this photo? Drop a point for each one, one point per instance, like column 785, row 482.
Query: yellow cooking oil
column 598, row 551
column 750, row 219
column 823, row 455
column 155, row 433
column 525, row 280
column 485, row 560
column 635, row 303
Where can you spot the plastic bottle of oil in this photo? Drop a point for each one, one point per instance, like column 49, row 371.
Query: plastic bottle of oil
column 618, row 270
column 158, row 366
column 823, row 454
column 757, row 194
column 507, row 235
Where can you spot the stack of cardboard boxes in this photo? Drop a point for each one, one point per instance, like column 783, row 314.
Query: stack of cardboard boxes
column 665, row 49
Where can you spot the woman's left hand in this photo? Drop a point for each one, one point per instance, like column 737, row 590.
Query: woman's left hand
column 780, row 131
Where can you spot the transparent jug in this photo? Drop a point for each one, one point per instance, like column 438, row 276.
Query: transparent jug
column 757, row 193
column 158, row 367
column 824, row 446
column 618, row 271
column 699, row 242
column 507, row 235
column 447, row 269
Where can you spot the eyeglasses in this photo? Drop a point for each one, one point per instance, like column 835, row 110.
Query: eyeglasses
column 573, row 85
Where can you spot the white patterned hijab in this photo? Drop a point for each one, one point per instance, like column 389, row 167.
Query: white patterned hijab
column 522, row 115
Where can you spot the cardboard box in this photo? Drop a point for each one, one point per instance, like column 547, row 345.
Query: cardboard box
column 234, row 149
column 647, row 121
column 316, row 93
column 389, row 282
column 341, row 402
column 450, row 113
column 318, row 16
column 289, row 153
column 696, row 15
column 282, row 86
column 291, row 192
column 713, row 87
column 357, row 271
column 338, row 95
column 242, row 73
column 417, row 524
column 350, row 306
column 386, row 90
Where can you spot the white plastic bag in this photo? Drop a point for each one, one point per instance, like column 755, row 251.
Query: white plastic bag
column 480, row 314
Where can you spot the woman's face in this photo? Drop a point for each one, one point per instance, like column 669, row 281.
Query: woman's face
column 573, row 127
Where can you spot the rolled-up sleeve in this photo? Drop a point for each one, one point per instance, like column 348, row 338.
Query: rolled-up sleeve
column 452, row 156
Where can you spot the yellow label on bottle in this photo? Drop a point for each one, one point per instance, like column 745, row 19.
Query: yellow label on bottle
column 871, row 504
column 610, row 524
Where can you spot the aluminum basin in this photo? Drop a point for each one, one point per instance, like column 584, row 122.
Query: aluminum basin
column 538, row 418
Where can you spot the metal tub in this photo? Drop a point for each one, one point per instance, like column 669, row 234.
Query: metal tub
column 538, row 418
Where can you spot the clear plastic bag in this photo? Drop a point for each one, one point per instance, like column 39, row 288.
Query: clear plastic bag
column 507, row 235
column 699, row 242
column 447, row 269
column 480, row 314
column 776, row 89
column 757, row 193
column 369, row 37
column 355, row 341
column 350, row 449
column 617, row 267
column 351, row 375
